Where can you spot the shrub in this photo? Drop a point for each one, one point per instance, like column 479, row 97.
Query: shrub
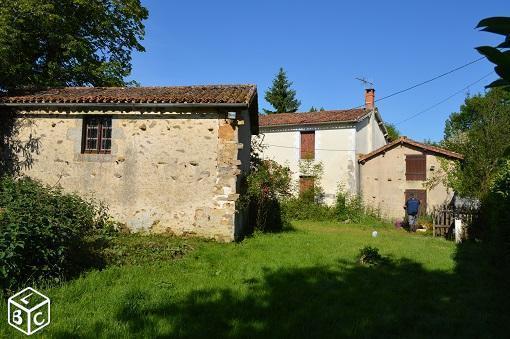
column 347, row 208
column 370, row 256
column 313, row 170
column 44, row 232
column 267, row 184
column 309, row 204
column 350, row 207
column 494, row 220
column 302, row 208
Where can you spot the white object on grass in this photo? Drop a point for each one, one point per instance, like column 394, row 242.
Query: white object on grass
column 374, row 234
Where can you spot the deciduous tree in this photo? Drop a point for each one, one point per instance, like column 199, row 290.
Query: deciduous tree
column 393, row 132
column 47, row 43
column 481, row 132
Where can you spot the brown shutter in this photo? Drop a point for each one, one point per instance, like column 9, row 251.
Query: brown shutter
column 308, row 145
column 305, row 184
column 416, row 168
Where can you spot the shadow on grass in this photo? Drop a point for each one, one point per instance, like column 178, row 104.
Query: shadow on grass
column 397, row 299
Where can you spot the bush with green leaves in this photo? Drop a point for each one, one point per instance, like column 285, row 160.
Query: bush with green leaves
column 267, row 184
column 370, row 256
column 309, row 203
column 314, row 170
column 481, row 132
column 349, row 207
column 45, row 234
column 304, row 208
column 494, row 221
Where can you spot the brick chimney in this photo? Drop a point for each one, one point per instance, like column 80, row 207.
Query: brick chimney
column 369, row 98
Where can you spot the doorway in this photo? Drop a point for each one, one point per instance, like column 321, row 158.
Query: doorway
column 420, row 195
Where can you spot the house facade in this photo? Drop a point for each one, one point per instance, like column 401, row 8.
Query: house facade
column 390, row 174
column 333, row 138
column 164, row 159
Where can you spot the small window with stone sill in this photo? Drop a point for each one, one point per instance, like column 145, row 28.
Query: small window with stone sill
column 97, row 135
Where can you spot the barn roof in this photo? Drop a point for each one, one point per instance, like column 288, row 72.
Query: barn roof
column 414, row 144
column 218, row 94
column 227, row 97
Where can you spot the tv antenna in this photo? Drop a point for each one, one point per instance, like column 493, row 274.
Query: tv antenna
column 365, row 82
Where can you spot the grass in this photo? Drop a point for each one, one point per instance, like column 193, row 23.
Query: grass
column 300, row 283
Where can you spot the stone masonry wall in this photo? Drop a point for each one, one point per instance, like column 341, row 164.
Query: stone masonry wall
column 383, row 182
column 167, row 172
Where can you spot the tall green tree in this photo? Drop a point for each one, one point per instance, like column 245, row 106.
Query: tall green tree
column 499, row 55
column 315, row 109
column 431, row 142
column 281, row 96
column 393, row 132
column 48, row 43
column 481, row 132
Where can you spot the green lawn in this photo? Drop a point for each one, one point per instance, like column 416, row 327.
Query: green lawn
column 300, row 283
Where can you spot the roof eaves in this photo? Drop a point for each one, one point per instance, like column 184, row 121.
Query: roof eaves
column 381, row 124
column 364, row 116
column 220, row 94
column 403, row 140
column 253, row 111
column 121, row 104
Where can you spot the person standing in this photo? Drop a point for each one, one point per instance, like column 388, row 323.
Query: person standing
column 412, row 208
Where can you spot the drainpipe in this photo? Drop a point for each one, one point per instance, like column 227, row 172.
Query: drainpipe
column 358, row 186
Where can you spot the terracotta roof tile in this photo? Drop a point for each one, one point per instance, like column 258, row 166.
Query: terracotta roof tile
column 217, row 94
column 349, row 115
column 405, row 140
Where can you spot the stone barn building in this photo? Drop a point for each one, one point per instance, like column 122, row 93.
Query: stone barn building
column 391, row 173
column 164, row 159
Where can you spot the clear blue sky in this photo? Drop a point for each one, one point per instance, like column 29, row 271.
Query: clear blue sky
column 323, row 46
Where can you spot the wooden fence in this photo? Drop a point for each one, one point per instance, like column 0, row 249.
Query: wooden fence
column 443, row 221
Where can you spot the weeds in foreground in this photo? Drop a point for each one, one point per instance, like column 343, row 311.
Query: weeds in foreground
column 370, row 256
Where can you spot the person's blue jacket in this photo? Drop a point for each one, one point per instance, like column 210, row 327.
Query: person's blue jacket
column 412, row 206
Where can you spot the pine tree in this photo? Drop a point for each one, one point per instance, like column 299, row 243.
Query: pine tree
column 281, row 96
column 314, row 109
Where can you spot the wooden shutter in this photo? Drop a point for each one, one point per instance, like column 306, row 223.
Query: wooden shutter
column 416, row 168
column 308, row 145
column 305, row 184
